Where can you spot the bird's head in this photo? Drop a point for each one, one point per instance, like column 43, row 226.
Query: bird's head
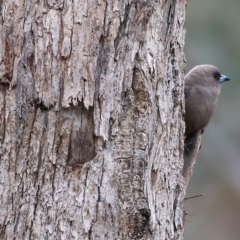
column 207, row 76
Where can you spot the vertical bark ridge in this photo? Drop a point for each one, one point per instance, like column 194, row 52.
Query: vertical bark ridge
column 91, row 101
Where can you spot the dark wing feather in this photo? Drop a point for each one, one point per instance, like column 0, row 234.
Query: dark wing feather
column 187, row 92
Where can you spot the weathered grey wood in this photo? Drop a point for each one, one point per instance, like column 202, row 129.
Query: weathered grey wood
column 91, row 129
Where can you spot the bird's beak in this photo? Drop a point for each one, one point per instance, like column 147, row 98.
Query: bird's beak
column 223, row 79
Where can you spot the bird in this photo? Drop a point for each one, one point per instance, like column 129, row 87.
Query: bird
column 202, row 88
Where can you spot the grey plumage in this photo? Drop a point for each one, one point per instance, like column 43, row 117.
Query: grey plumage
column 202, row 87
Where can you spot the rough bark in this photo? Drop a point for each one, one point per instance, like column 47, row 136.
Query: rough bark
column 91, row 129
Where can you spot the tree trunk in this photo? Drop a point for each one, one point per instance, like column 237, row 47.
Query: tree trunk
column 91, row 129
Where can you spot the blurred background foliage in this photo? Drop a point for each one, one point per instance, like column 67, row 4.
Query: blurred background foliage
column 213, row 37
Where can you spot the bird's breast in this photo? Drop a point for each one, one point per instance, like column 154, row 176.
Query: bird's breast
column 199, row 107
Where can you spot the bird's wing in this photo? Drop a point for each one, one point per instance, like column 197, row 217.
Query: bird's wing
column 199, row 107
column 187, row 92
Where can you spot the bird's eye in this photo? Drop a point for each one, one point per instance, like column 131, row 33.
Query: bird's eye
column 216, row 75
